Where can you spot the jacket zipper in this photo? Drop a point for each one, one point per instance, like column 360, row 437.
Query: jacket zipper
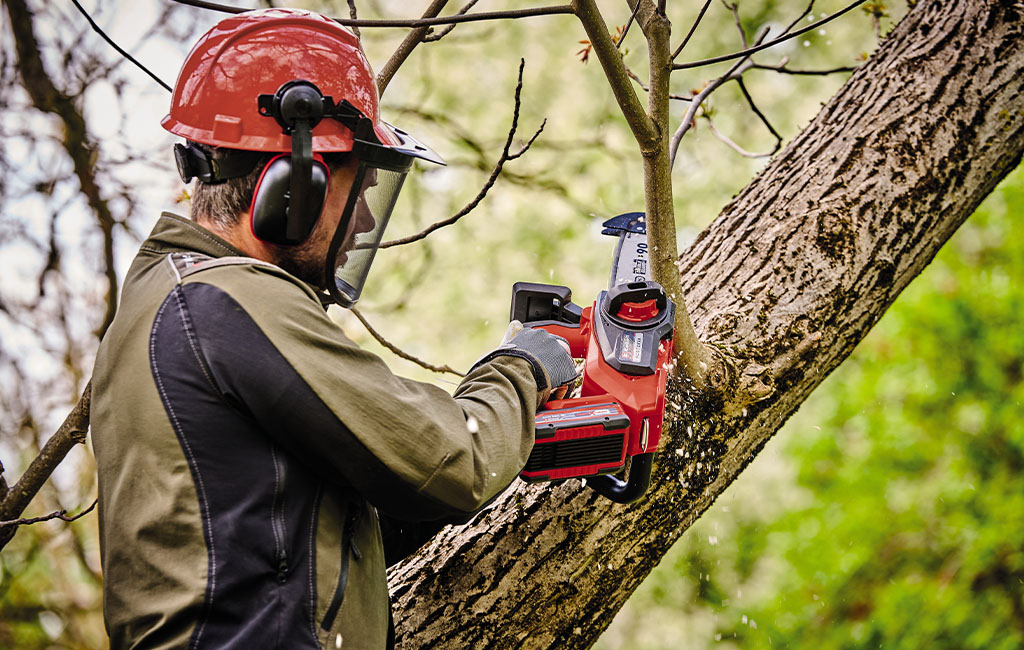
column 277, row 517
column 348, row 544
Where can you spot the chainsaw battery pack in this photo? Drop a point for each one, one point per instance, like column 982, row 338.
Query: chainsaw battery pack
column 578, row 440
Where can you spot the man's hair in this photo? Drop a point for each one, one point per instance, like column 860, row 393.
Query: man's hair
column 223, row 203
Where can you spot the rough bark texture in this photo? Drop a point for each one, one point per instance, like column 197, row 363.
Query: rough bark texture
column 785, row 282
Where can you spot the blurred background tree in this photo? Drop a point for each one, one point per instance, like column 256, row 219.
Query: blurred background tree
column 760, row 568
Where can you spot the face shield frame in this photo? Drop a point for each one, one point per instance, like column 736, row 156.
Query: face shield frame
column 352, row 251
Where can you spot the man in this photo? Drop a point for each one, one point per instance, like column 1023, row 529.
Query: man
column 244, row 445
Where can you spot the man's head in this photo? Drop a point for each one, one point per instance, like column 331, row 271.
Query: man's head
column 226, row 208
column 281, row 113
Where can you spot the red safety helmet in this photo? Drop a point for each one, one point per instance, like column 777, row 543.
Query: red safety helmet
column 293, row 81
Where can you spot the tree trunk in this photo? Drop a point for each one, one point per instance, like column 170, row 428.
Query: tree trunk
column 784, row 283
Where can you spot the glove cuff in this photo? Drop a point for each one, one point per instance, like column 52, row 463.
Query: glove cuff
column 540, row 375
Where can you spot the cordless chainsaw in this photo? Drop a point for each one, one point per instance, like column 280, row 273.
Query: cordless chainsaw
column 625, row 340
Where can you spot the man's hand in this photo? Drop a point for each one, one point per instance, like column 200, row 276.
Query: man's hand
column 551, row 351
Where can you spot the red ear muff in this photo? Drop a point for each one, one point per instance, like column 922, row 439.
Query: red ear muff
column 271, row 220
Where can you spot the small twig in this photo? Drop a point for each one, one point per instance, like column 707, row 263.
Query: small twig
column 430, row 38
column 408, row 44
column 693, row 28
column 735, row 9
column 796, row 21
column 354, row 16
column 764, row 46
column 60, row 514
column 781, row 68
column 757, row 111
column 735, row 72
column 728, row 141
column 506, row 155
column 647, row 89
column 111, row 43
column 422, row 22
column 401, row 353
column 629, row 23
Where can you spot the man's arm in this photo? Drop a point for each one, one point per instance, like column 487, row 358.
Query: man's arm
column 409, row 448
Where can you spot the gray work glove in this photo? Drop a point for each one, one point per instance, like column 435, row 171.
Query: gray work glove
column 548, row 354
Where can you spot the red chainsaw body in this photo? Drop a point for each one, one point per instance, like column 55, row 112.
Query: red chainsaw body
column 617, row 415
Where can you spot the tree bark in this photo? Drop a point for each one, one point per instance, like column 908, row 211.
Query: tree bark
column 784, row 283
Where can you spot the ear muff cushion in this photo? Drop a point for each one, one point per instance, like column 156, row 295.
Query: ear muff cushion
column 269, row 207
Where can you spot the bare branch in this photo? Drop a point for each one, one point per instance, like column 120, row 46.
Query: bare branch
column 103, row 35
column 71, row 432
column 764, row 46
column 423, row 22
column 412, row 39
column 796, row 21
column 735, row 72
column 781, row 68
column 430, row 38
column 735, row 9
column 48, row 98
column 60, row 514
column 693, row 28
column 625, row 30
column 353, row 14
column 757, row 111
column 506, row 155
column 398, row 352
column 634, row 77
column 737, row 148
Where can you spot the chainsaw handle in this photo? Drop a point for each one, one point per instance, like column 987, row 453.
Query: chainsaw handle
column 573, row 335
column 628, row 491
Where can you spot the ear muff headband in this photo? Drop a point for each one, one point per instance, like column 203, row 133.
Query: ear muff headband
column 272, row 222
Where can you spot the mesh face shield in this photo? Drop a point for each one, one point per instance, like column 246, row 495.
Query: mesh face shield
column 361, row 228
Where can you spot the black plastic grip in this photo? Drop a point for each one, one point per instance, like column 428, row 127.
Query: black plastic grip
column 635, row 292
column 533, row 302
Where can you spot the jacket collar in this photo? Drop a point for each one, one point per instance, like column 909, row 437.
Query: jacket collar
column 176, row 233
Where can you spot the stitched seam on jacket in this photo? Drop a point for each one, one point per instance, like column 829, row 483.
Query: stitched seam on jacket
column 437, row 469
column 199, row 476
column 312, row 561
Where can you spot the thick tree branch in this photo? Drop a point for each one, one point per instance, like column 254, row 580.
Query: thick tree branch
column 71, row 432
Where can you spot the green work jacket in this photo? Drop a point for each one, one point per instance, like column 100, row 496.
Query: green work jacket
column 247, row 449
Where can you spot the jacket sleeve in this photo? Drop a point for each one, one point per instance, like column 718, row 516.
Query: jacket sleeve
column 409, row 448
